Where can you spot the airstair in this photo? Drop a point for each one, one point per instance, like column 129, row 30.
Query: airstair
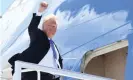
column 6, row 74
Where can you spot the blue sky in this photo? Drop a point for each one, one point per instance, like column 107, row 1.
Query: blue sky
column 4, row 5
column 0, row 8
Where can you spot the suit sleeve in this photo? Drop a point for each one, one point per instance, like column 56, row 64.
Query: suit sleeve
column 33, row 26
column 12, row 61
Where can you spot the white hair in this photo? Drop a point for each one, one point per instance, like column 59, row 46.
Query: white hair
column 51, row 16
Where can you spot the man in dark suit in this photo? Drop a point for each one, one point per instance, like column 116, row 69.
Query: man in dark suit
column 42, row 49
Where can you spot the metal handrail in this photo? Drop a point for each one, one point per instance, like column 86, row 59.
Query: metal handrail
column 19, row 65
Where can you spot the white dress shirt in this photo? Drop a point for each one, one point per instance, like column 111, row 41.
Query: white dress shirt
column 49, row 60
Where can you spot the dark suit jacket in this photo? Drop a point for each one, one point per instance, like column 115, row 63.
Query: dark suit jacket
column 38, row 48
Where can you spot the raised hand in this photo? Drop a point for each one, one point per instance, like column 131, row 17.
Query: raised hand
column 43, row 6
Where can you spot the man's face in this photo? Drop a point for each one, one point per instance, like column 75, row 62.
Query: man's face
column 50, row 27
